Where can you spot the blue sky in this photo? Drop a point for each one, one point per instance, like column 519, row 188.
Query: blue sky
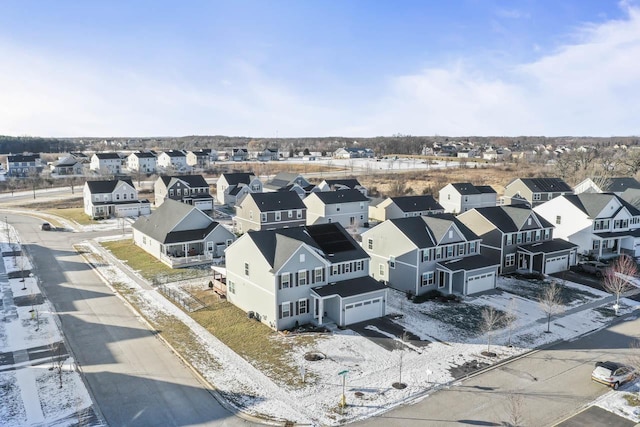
column 319, row 68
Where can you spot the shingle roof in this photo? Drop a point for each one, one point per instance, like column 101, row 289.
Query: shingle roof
column 282, row 180
column 193, row 181
column 549, row 246
column 465, row 188
column 341, row 196
column 143, row 154
column 350, row 287
column 236, row 178
column 108, row 156
column 417, row 203
column 617, row 185
column 485, row 189
column 351, row 183
column 632, row 196
column 174, row 153
column 473, row 262
column 592, row 204
column 546, row 185
column 427, row 231
column 23, row 158
column 100, row 187
column 509, row 219
column 278, row 201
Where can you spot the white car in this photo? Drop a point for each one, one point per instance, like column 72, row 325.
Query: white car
column 612, row 374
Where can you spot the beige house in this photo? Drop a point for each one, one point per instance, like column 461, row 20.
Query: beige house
column 403, row 207
column 268, row 211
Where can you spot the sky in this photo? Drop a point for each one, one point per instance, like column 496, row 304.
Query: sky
column 361, row 68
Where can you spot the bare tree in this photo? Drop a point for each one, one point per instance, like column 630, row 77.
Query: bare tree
column 57, row 359
column 617, row 278
column 490, row 320
column 511, row 317
column 551, row 302
column 515, row 410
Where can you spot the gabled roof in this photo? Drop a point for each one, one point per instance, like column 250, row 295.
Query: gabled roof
column 427, row 231
column 548, row 247
column 485, row 189
column 351, row 183
column 278, row 201
column 160, row 224
column 193, row 181
column 205, row 152
column 101, row 187
column 473, row 262
column 617, row 185
column 417, row 203
column 510, row 219
column 632, row 196
column 236, row 178
column 592, row 204
column 144, row 154
column 350, row 287
column 545, row 185
column 282, row 180
column 66, row 161
column 331, row 241
column 174, row 153
column 108, row 156
column 23, row 158
column 341, row 196
column 467, row 188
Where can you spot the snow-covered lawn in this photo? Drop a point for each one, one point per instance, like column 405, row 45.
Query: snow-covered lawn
column 618, row 401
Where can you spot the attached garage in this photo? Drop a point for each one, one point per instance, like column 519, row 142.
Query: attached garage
column 556, row 264
column 481, row 282
column 363, row 310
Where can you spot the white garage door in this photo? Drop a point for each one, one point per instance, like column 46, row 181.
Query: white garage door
column 481, row 282
column 363, row 310
column 555, row 264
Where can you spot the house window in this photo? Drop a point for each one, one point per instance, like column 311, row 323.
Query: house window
column 370, row 244
column 285, row 280
column 549, row 196
column 472, row 247
column 246, row 268
column 536, row 196
column 451, row 234
column 519, row 238
column 596, row 245
column 438, row 253
column 381, row 270
column 250, row 214
column 547, row 234
column 537, row 235
column 448, row 196
column 510, row 260
column 302, row 278
column 334, row 270
column 285, row 309
column 302, row 306
column 392, row 262
column 425, row 255
column 210, row 246
column 171, row 192
column 461, row 247
column 263, row 217
column 179, row 192
column 318, row 275
column 124, row 196
column 229, row 242
column 302, row 257
column 427, row 279
column 337, row 208
column 278, row 216
column 232, row 286
column 449, row 251
column 558, row 219
column 509, row 239
column 528, row 235
column 144, row 240
column 290, row 214
column 361, row 205
column 299, row 213
column 131, row 196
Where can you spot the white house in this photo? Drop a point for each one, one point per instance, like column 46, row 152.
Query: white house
column 106, row 163
column 142, row 161
column 119, row 198
column 174, row 159
column 463, row 196
column 606, row 185
column 230, row 187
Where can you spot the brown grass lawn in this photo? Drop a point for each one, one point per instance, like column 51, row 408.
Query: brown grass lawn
column 73, row 214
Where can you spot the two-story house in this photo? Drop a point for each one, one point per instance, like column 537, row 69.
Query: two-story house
column 67, row 165
column 180, row 235
column 294, row 276
column 268, row 155
column 520, row 238
column 288, row 181
column 403, row 207
column 189, row 189
column 268, row 211
column 602, row 225
column 348, row 207
column 424, row 253
column 106, row 163
column 534, row 191
column 201, row 159
column 119, row 198
column 463, row 196
column 173, row 160
column 616, row 186
column 142, row 161
column 23, row 165
column 341, row 184
column 353, row 153
column 231, row 187
column 239, row 155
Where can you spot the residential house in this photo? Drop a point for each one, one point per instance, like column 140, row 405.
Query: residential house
column 113, row 198
column 602, row 225
column 425, row 253
column 189, row 189
column 287, row 181
column 181, row 235
column 23, row 165
column 353, row 153
column 67, row 165
column 348, row 207
column 520, row 238
column 268, row 154
column 142, row 162
column 534, row 191
column 463, row 196
column 173, row 159
column 231, row 187
column 239, row 154
column 109, row 163
column 268, row 211
column 403, row 207
column 341, row 184
column 201, row 159
column 294, row 276
column 616, row 186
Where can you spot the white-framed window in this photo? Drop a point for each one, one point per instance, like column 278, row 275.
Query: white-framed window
column 117, row 197
column 209, row 246
column 299, row 213
column 596, row 244
column 171, row 193
column 334, row 270
column 473, row 247
column 285, row 309
column 438, row 253
column 246, row 268
column 558, row 219
column 381, row 270
column 302, row 278
column 449, row 251
column 425, row 255
column 370, row 244
column 179, row 192
column 229, row 242
column 263, row 217
column 547, row 234
column 427, row 278
column 537, row 196
column 510, row 260
column 318, row 275
column 451, row 234
column 285, row 280
column 302, row 306
column 278, row 216
column 232, row 287
column 392, row 262
column 302, row 257
column 290, row 214
column 461, row 248
column 519, row 238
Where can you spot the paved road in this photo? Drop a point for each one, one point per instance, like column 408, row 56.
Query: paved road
column 552, row 383
column 133, row 377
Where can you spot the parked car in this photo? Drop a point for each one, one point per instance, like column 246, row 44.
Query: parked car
column 46, row 226
column 612, row 374
column 593, row 267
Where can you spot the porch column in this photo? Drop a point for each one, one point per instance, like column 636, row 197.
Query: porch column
column 530, row 263
column 600, row 249
column 450, row 278
column 618, row 245
column 184, row 249
column 321, row 310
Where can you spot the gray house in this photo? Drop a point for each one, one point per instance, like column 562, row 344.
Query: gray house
column 420, row 254
column 462, row 196
column 616, row 186
column 181, row 235
column 341, row 184
column 403, row 207
column 268, row 211
column 287, row 181
column 293, row 276
column 521, row 239
column 231, row 187
column 348, row 207
column 534, row 191
column 189, row 189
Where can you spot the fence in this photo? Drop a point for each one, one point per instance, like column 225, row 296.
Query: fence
column 182, row 298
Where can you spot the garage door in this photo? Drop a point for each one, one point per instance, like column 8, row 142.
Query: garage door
column 556, row 264
column 481, row 282
column 363, row 310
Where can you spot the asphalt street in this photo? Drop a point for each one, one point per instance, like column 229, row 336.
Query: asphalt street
column 133, row 377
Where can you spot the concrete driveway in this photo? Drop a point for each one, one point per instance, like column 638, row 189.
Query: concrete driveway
column 595, row 416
